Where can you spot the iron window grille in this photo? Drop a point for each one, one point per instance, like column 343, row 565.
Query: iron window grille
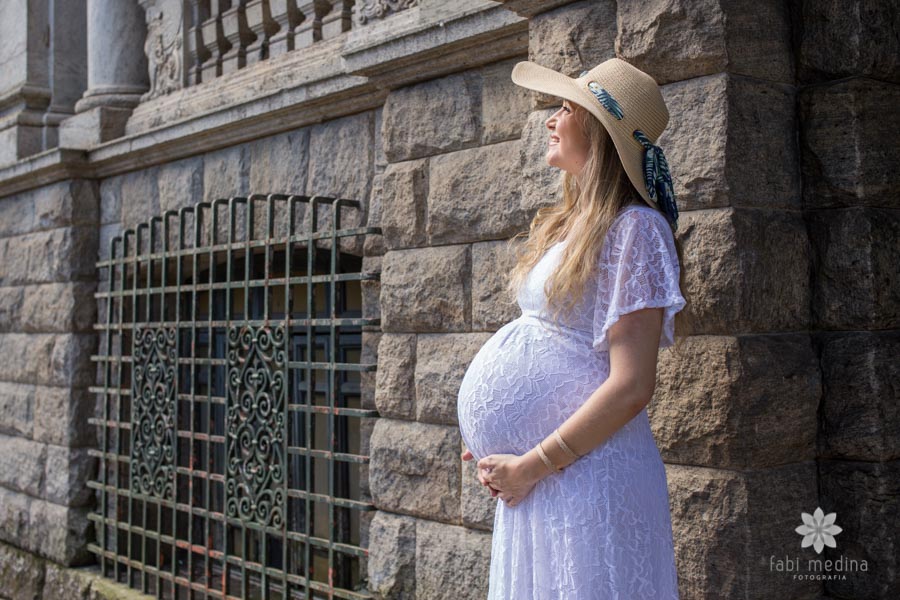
column 231, row 435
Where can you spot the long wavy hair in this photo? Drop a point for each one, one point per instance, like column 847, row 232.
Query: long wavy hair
column 589, row 203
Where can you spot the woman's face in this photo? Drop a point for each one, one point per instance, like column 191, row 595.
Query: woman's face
column 568, row 145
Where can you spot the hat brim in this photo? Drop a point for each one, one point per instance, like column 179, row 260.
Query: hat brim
column 547, row 81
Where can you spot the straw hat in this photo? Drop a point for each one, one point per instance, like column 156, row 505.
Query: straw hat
column 630, row 106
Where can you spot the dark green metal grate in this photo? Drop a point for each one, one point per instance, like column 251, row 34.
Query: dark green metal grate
column 230, row 462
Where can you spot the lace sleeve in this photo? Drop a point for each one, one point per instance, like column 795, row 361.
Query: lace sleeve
column 638, row 269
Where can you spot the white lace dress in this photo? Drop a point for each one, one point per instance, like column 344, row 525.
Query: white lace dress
column 601, row 528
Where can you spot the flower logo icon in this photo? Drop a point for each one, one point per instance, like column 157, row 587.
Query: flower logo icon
column 818, row 530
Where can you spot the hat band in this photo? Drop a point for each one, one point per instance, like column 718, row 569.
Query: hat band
column 657, row 178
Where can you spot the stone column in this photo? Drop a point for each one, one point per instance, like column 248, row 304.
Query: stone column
column 117, row 73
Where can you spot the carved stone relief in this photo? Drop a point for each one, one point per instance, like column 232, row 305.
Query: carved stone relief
column 164, row 46
column 378, row 9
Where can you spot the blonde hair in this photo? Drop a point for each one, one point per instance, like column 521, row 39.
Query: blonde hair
column 589, row 204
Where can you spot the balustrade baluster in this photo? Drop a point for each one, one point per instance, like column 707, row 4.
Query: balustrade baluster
column 260, row 22
column 310, row 29
column 238, row 34
column 286, row 14
column 214, row 40
column 338, row 19
column 197, row 51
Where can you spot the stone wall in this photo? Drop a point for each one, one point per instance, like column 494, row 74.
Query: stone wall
column 48, row 244
column 782, row 399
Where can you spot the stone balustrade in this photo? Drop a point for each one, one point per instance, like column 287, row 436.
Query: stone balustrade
column 223, row 36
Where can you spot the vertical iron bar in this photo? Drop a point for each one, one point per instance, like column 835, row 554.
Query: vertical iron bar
column 174, row 508
column 310, row 379
column 287, row 396
column 210, row 418
column 106, row 378
column 332, row 373
column 248, row 233
column 195, row 211
column 123, row 272
column 174, row 472
column 228, row 291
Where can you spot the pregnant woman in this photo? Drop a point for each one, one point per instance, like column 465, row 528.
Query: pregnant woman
column 553, row 406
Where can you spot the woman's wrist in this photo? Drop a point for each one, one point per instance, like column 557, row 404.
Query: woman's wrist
column 533, row 468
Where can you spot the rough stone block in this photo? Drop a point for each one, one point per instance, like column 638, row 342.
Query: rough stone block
column 727, row 525
column 279, row 163
column 541, row 184
column 341, row 165
column 477, row 506
column 66, row 475
column 342, row 156
column 371, row 289
column 22, row 465
column 861, row 406
column 71, row 202
column 59, row 533
column 10, row 308
column 15, row 508
column 844, row 149
column 409, row 128
column 392, row 556
column 56, row 307
column 111, row 200
column 744, row 402
column 226, row 173
column 866, row 498
column 105, row 589
column 107, row 234
column 682, row 39
column 475, row 195
column 571, row 39
column 491, row 306
column 504, row 105
column 140, row 196
column 370, row 343
column 21, row 574
column 426, row 290
column 74, row 584
column 845, row 39
column 374, row 243
column 441, row 363
column 51, row 359
column 414, row 469
column 451, row 562
column 17, row 214
column 16, row 409
column 61, row 254
column 180, row 183
column 729, row 259
column 731, row 142
column 403, row 204
column 856, row 283
column 394, row 388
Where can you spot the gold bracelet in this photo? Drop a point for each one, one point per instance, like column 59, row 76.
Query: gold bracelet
column 563, row 445
column 549, row 464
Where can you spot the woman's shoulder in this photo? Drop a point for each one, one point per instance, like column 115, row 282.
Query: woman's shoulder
column 638, row 214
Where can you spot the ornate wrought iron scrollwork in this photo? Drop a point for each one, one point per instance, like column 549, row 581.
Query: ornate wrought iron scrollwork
column 255, row 471
column 153, row 412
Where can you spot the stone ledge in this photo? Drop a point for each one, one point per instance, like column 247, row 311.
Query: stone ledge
column 25, row 575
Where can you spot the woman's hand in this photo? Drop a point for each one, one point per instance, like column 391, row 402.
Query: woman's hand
column 511, row 475
column 467, row 455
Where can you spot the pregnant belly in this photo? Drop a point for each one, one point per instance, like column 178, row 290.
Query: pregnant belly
column 522, row 384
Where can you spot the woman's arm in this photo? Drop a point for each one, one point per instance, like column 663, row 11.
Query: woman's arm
column 633, row 347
